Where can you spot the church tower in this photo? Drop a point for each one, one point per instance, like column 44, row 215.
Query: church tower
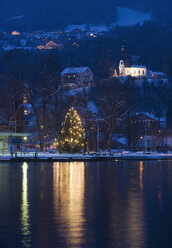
column 131, row 65
column 125, row 55
column 124, row 61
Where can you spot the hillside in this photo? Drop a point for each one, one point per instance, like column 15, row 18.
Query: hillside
column 55, row 14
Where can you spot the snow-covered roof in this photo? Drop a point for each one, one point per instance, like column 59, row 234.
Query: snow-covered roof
column 160, row 74
column 78, row 70
column 152, row 116
column 138, row 66
column 133, row 61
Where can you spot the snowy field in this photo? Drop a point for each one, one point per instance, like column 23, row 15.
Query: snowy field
column 130, row 17
column 126, row 17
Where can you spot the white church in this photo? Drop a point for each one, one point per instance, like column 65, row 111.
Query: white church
column 134, row 67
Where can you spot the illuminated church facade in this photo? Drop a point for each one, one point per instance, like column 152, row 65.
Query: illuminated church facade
column 134, row 67
column 131, row 65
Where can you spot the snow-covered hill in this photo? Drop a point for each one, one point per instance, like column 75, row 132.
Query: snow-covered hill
column 129, row 17
column 126, row 17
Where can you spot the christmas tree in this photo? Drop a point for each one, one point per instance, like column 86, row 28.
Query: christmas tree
column 72, row 133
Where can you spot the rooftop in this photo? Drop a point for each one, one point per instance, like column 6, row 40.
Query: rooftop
column 78, row 70
column 133, row 61
column 151, row 116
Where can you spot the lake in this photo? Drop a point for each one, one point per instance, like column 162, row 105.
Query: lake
column 96, row 204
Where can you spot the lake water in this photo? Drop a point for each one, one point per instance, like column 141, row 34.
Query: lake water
column 103, row 204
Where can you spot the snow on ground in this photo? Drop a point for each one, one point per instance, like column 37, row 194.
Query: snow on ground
column 8, row 48
column 92, row 28
column 120, row 139
column 126, row 17
column 99, row 29
column 20, row 17
column 130, row 17
column 126, row 155
column 92, row 107
column 69, row 28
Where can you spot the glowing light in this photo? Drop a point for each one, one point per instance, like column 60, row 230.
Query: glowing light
column 75, row 44
column 41, row 47
column 72, row 133
column 141, row 174
column 26, row 112
column 25, row 226
column 93, row 35
column 69, row 189
column 49, row 46
column 15, row 33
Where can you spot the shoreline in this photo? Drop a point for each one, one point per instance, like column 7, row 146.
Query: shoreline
column 84, row 158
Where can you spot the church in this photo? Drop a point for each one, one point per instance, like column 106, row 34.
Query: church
column 131, row 65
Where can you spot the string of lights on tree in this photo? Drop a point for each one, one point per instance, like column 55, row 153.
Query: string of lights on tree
column 72, row 133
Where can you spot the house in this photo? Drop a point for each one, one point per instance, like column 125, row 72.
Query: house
column 50, row 46
column 76, row 75
column 148, row 131
column 15, row 139
column 143, row 120
column 148, row 120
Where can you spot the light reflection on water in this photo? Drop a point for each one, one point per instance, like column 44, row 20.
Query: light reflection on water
column 68, row 191
column 104, row 204
column 25, row 225
column 135, row 217
column 141, row 168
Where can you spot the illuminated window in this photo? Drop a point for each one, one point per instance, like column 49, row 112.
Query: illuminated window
column 138, row 71
column 15, row 33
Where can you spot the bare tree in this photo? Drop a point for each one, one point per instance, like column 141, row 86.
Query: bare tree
column 110, row 99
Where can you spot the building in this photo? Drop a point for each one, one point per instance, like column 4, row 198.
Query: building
column 14, row 139
column 148, row 120
column 50, row 46
column 133, row 66
column 76, row 75
column 148, row 131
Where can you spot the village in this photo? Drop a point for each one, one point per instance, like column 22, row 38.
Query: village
column 42, row 40
column 146, row 131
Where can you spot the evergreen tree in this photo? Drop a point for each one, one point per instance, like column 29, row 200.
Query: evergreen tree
column 72, row 133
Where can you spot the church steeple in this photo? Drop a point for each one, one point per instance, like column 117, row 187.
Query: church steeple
column 125, row 56
column 124, row 48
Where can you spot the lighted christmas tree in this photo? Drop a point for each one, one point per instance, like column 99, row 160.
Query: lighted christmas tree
column 72, row 133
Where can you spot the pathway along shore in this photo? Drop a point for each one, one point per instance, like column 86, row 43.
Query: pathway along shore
column 48, row 157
